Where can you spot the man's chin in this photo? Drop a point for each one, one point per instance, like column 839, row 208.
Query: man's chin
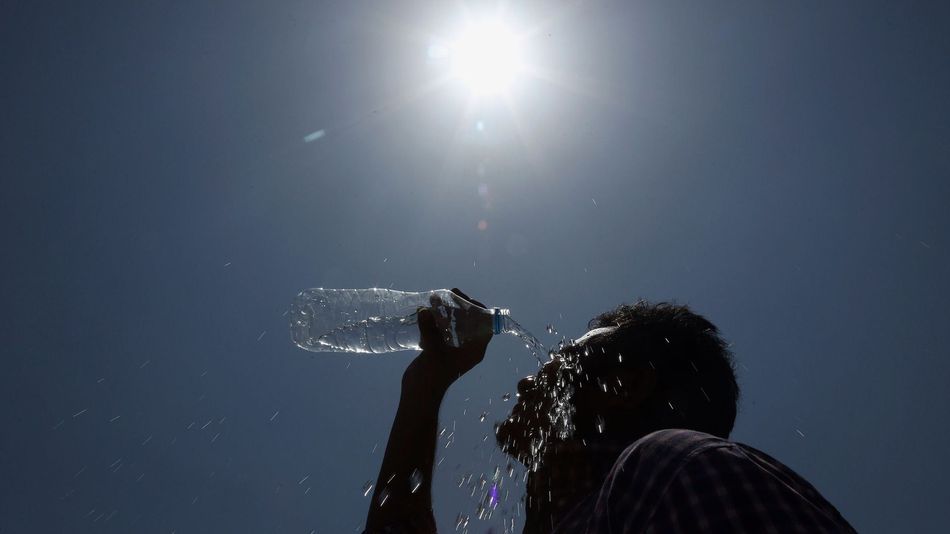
column 515, row 438
column 507, row 435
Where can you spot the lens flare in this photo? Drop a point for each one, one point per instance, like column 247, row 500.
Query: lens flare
column 487, row 57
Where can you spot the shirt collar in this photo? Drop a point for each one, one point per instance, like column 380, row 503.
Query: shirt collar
column 571, row 472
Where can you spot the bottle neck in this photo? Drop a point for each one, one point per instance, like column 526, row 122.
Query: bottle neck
column 501, row 322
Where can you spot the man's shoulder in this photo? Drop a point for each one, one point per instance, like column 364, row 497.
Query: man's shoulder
column 647, row 465
column 671, row 442
column 687, row 481
column 641, row 475
column 679, row 435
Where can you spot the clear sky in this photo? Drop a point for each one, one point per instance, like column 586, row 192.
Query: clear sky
column 174, row 172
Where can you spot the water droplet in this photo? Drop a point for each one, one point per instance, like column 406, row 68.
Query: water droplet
column 368, row 487
column 506, row 397
column 415, row 480
column 551, row 329
column 483, row 416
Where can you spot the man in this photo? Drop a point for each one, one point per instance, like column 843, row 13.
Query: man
column 624, row 430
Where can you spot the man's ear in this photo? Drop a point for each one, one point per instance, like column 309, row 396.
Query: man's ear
column 678, row 401
column 633, row 386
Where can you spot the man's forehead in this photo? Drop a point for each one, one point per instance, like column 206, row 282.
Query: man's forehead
column 592, row 334
column 571, row 352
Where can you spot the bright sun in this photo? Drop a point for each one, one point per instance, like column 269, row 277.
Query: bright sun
column 487, row 57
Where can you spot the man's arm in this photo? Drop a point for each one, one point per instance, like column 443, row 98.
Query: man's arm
column 411, row 449
column 403, row 493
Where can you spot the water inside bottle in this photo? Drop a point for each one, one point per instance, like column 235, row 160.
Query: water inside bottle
column 375, row 335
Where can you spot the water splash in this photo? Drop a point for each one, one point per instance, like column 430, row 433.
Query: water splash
column 531, row 343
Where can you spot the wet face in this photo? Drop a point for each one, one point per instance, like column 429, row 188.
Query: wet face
column 545, row 410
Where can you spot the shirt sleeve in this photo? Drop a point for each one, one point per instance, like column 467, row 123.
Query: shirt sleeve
column 681, row 481
column 731, row 489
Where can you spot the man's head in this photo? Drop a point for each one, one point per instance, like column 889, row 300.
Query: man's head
column 640, row 368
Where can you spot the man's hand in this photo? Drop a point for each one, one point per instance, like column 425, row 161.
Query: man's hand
column 440, row 364
column 403, row 495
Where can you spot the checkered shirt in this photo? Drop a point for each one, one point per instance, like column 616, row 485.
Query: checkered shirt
column 682, row 481
column 669, row 482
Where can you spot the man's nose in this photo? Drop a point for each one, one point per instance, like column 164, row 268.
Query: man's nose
column 525, row 385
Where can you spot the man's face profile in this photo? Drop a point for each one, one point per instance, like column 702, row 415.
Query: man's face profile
column 545, row 409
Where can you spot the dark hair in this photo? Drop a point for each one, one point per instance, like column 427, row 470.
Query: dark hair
column 693, row 363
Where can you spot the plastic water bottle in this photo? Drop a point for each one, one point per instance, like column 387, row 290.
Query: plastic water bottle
column 385, row 320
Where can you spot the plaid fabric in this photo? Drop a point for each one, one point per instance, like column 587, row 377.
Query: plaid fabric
column 668, row 482
column 682, row 481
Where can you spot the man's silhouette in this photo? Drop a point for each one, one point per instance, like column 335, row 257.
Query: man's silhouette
column 625, row 431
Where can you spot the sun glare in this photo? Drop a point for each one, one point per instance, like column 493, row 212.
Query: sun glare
column 487, row 57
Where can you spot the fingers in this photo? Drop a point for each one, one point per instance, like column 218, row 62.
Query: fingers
column 428, row 331
column 458, row 292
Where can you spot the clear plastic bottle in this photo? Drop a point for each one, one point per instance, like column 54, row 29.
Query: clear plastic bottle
column 377, row 320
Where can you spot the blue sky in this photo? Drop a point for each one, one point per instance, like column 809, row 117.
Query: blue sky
column 780, row 167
